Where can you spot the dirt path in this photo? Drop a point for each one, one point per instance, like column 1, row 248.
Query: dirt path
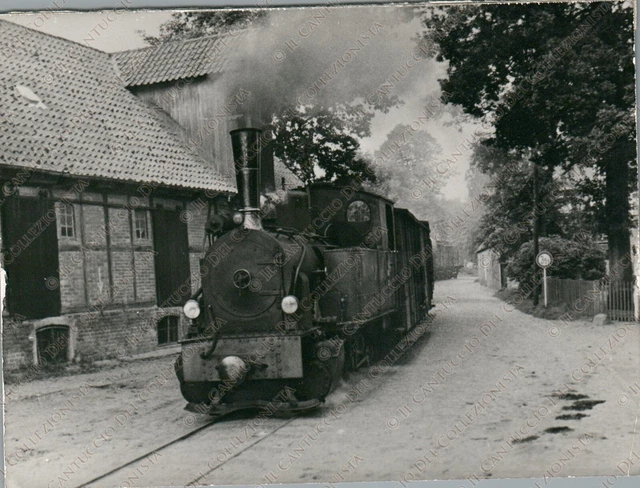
column 426, row 418
column 474, row 396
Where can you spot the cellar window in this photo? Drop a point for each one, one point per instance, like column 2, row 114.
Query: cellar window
column 52, row 344
column 168, row 330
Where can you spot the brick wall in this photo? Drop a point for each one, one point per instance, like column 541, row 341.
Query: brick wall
column 115, row 333
column 489, row 269
column 123, row 273
column 96, row 334
column 197, row 213
column 93, row 225
column 70, row 263
column 17, row 347
column 97, row 283
column 145, row 276
column 108, row 325
column 194, row 261
column 119, row 230
column 72, row 284
column 106, row 263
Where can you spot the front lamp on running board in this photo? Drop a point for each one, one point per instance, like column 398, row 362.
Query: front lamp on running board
column 191, row 309
column 289, row 304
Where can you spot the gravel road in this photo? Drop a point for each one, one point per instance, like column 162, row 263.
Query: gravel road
column 485, row 391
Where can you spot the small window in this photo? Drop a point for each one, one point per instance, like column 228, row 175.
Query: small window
column 53, row 344
column 168, row 330
column 67, row 220
column 358, row 211
column 141, row 224
column 390, row 231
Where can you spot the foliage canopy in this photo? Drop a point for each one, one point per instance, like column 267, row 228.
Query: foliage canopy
column 571, row 260
column 556, row 84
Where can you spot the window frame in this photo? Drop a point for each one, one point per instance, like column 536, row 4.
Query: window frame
column 63, row 215
column 368, row 212
column 170, row 331
column 147, row 235
column 44, row 335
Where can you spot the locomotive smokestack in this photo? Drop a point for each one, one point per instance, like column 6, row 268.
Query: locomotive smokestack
column 247, row 149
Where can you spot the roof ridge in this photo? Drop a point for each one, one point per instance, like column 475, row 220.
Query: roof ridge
column 174, row 60
column 179, row 41
column 164, row 43
column 15, row 24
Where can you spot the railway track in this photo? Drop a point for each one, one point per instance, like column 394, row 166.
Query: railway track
column 149, row 453
column 201, row 476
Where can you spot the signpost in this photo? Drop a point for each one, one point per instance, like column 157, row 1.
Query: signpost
column 544, row 260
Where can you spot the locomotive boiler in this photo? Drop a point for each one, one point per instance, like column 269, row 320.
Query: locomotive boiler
column 307, row 286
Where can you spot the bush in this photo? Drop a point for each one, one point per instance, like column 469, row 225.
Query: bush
column 571, row 260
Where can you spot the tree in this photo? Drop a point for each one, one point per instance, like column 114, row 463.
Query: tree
column 479, row 187
column 507, row 216
column 556, row 82
column 321, row 145
column 408, row 170
column 507, row 220
column 189, row 25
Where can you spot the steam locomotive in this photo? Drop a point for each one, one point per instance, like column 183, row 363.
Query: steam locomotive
column 311, row 281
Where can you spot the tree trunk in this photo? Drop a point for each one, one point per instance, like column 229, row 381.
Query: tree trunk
column 616, row 218
column 536, row 232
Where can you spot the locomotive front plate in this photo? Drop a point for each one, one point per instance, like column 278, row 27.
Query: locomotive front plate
column 282, row 357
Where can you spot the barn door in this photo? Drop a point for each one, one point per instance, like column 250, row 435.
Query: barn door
column 171, row 242
column 31, row 257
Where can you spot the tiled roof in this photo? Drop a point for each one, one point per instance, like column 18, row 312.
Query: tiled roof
column 281, row 171
column 188, row 58
column 176, row 60
column 64, row 110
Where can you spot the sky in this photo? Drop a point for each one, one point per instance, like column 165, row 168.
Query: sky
column 396, row 41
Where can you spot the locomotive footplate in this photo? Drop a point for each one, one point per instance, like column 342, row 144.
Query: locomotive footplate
column 271, row 407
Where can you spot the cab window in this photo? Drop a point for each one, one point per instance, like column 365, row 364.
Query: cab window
column 358, row 211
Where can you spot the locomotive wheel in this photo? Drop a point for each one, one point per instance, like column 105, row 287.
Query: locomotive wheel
column 196, row 393
column 179, row 369
column 359, row 353
column 316, row 383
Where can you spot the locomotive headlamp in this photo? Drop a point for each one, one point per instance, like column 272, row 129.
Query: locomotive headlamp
column 191, row 309
column 289, row 304
column 232, row 369
column 238, row 218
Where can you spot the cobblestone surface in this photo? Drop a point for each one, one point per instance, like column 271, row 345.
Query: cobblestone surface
column 486, row 392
